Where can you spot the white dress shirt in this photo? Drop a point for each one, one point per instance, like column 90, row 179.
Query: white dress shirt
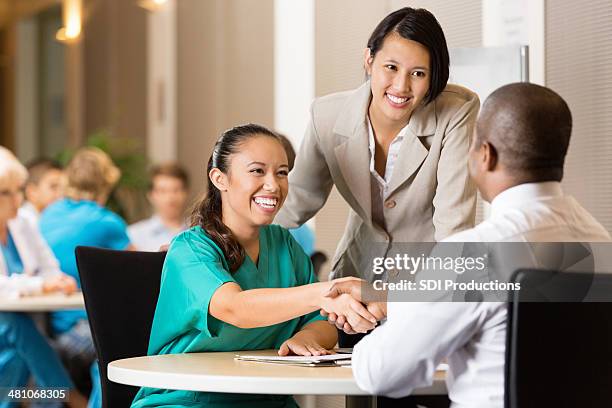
column 380, row 185
column 36, row 256
column 403, row 352
column 151, row 234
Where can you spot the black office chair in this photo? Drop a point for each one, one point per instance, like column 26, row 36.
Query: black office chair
column 559, row 348
column 120, row 290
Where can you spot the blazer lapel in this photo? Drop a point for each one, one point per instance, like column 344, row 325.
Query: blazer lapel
column 352, row 154
column 354, row 161
column 413, row 152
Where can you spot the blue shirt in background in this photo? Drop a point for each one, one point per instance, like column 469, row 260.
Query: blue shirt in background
column 67, row 224
column 305, row 237
column 11, row 256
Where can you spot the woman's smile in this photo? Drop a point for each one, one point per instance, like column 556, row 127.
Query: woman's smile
column 267, row 204
column 396, row 101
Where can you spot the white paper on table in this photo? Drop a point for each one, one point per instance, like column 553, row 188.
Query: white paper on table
column 328, row 358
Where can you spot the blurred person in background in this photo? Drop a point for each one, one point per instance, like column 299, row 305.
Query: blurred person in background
column 45, row 185
column 27, row 267
column 302, row 234
column 168, row 191
column 81, row 219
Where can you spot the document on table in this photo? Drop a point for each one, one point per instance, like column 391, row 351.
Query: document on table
column 328, row 360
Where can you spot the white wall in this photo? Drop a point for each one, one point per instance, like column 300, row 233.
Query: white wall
column 294, row 66
column 161, row 84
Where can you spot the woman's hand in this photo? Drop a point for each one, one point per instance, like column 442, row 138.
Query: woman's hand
column 378, row 309
column 349, row 285
column 60, row 283
column 302, row 344
column 343, row 298
column 352, row 287
column 356, row 314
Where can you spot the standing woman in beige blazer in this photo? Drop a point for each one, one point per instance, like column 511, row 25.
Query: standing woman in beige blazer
column 395, row 148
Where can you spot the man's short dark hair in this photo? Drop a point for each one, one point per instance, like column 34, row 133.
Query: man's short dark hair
column 421, row 26
column 530, row 127
column 170, row 169
column 37, row 168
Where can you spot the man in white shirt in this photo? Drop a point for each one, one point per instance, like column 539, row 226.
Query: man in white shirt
column 168, row 196
column 521, row 140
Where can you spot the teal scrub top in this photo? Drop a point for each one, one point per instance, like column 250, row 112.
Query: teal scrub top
column 194, row 269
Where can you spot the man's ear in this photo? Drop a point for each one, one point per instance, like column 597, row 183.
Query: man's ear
column 490, row 156
column 367, row 61
column 218, row 178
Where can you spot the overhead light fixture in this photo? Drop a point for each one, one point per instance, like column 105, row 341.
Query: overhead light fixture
column 152, row 5
column 72, row 13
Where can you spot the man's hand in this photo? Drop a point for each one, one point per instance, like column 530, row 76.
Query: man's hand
column 350, row 286
column 355, row 313
column 353, row 287
column 378, row 309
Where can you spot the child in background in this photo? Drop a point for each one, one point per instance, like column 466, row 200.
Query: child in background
column 45, row 185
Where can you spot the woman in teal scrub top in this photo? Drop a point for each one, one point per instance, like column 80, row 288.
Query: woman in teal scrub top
column 234, row 281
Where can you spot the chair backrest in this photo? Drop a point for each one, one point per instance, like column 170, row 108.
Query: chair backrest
column 318, row 258
column 120, row 290
column 559, row 347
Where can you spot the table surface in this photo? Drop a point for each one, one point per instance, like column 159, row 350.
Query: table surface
column 220, row 372
column 43, row 303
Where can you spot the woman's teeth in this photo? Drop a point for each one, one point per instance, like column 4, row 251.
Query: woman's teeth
column 396, row 99
column 266, row 202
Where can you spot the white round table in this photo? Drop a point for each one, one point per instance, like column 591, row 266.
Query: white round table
column 220, row 372
column 43, row 303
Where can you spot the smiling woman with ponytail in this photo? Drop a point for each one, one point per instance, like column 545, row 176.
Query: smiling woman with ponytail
column 233, row 281
column 208, row 214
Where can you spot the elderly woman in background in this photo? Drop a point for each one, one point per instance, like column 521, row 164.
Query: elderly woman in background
column 27, row 267
column 81, row 219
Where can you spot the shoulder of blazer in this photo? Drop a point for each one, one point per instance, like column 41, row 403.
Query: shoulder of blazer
column 326, row 108
column 340, row 112
column 455, row 97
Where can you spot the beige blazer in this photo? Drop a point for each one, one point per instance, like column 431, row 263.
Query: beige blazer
column 430, row 192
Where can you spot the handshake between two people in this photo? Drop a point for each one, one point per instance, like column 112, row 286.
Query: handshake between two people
column 345, row 307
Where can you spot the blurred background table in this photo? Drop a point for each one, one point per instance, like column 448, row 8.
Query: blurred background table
column 43, row 303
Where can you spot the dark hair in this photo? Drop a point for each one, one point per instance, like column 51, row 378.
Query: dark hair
column 169, row 169
column 530, row 127
column 37, row 169
column 288, row 149
column 421, row 26
column 207, row 212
